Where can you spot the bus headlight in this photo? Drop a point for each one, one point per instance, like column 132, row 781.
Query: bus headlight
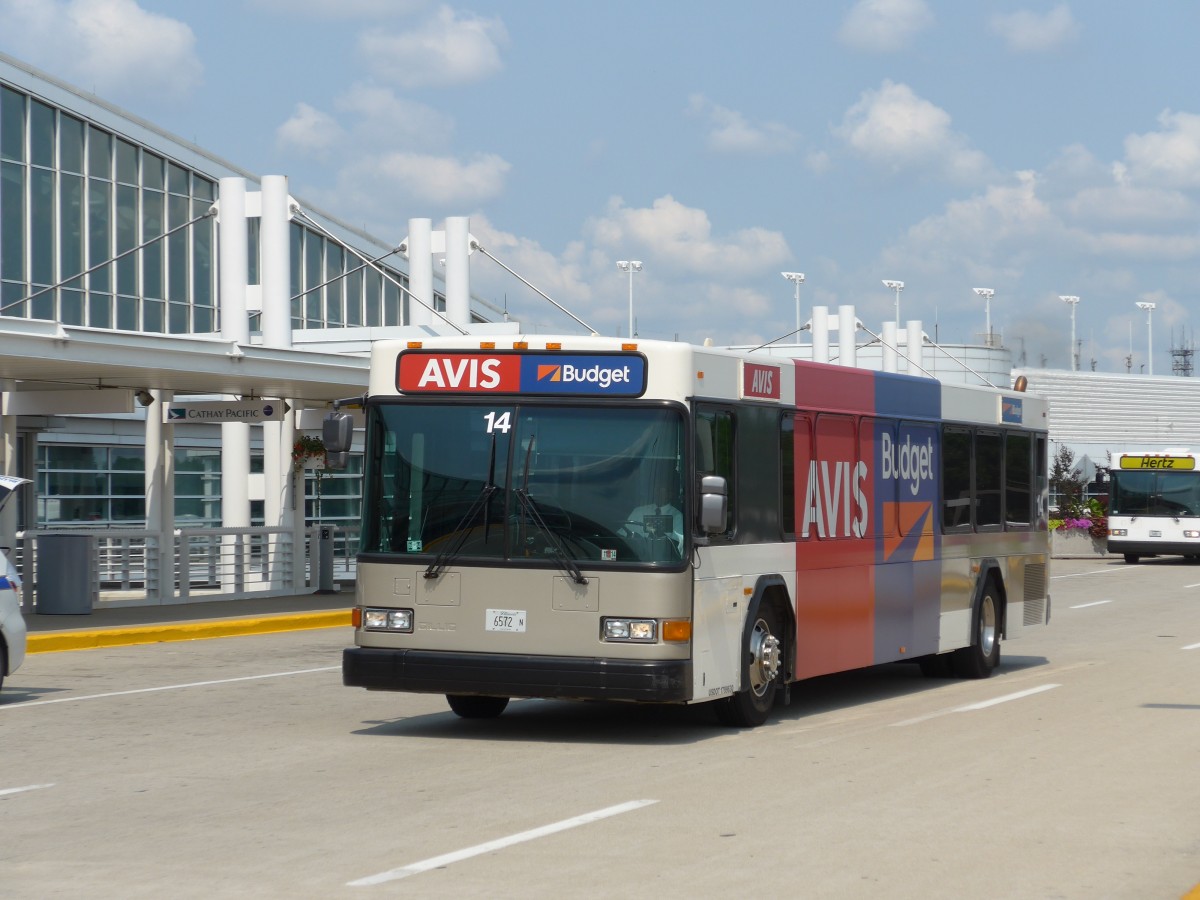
column 638, row 631
column 388, row 620
column 1117, row 532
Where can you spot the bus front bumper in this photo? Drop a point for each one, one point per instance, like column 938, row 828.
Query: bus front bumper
column 509, row 675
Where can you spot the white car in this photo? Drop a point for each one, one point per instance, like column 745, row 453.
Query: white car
column 12, row 623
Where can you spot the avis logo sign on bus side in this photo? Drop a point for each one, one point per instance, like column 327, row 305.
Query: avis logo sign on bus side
column 760, row 381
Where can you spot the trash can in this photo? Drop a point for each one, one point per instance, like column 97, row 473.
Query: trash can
column 67, row 576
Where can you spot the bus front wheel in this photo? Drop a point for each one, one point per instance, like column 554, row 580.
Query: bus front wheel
column 762, row 660
column 983, row 656
column 470, row 706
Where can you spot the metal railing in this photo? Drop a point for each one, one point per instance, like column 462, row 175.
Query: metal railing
column 201, row 564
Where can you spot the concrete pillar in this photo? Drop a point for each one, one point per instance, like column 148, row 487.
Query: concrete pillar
column 891, row 355
column 160, row 499
column 420, row 271
column 847, row 337
column 275, row 270
column 8, row 466
column 820, row 334
column 915, row 348
column 232, row 260
column 458, row 270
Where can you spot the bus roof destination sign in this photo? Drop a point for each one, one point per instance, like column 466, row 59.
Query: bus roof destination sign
column 250, row 411
column 549, row 374
column 1175, row 463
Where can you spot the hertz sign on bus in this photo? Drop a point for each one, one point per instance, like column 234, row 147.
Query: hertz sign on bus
column 1177, row 463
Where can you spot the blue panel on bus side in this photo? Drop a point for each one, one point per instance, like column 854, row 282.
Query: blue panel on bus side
column 906, row 396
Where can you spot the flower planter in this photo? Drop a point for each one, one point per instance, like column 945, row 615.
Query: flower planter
column 1074, row 543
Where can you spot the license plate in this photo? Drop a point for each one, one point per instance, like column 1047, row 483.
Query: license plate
column 1156, row 534
column 504, row 620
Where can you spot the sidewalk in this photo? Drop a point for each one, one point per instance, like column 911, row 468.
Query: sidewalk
column 118, row 626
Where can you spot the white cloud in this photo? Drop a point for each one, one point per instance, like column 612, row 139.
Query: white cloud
column 681, row 237
column 1170, row 157
column 894, row 128
column 341, row 9
column 416, row 179
column 729, row 132
column 112, row 46
column 884, row 25
column 1029, row 32
column 447, row 49
column 309, row 132
column 384, row 118
column 1129, row 204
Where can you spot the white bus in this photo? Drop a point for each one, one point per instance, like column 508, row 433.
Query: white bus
column 1154, row 504
column 585, row 518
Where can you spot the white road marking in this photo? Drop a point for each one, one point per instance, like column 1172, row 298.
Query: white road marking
column 1192, row 585
column 28, row 787
column 165, row 687
column 1086, row 605
column 1192, row 647
column 972, row 707
column 499, row 844
column 1126, row 568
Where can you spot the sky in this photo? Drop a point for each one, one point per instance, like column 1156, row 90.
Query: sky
column 1039, row 149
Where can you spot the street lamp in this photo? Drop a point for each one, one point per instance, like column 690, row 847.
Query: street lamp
column 796, row 278
column 987, row 294
column 1074, row 301
column 896, row 286
column 630, row 266
column 1149, row 308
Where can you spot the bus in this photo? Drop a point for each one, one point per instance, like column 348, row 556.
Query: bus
column 596, row 519
column 1154, row 504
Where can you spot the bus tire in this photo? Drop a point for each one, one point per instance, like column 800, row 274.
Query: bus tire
column 983, row 656
column 1131, row 558
column 472, row 706
column 762, row 663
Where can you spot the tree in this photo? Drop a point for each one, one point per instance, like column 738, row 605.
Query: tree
column 1066, row 482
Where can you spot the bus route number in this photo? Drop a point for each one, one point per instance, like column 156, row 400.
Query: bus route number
column 511, row 620
column 501, row 423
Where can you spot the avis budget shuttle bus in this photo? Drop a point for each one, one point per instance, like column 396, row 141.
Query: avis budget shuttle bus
column 583, row 518
column 1154, row 504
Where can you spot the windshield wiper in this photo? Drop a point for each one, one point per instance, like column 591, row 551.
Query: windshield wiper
column 480, row 502
column 528, row 504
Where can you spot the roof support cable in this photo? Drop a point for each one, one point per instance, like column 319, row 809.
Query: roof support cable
column 378, row 268
column 475, row 245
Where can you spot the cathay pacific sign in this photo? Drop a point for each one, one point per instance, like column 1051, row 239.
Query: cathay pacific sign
column 250, row 411
column 581, row 374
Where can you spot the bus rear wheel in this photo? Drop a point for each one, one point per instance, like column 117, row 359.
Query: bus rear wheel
column 983, row 656
column 762, row 661
column 1131, row 558
column 470, row 706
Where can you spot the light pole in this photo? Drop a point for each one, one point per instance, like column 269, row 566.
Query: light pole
column 1074, row 301
column 1149, row 308
column 896, row 286
column 797, row 278
column 630, row 266
column 987, row 294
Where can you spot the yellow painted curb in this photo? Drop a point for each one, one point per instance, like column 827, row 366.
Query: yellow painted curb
column 50, row 642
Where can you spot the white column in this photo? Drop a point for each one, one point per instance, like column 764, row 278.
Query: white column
column 231, row 261
column 8, row 466
column 458, row 270
column 820, row 334
column 890, row 353
column 160, row 498
column 293, row 508
column 420, row 271
column 847, row 337
column 915, row 347
column 275, row 270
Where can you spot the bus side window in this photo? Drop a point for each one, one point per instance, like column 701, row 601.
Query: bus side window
column 714, row 454
column 956, row 479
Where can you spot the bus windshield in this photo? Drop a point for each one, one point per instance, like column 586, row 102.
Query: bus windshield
column 519, row 482
column 1148, row 493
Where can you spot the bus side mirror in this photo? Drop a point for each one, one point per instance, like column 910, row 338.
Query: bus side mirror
column 337, row 432
column 714, row 504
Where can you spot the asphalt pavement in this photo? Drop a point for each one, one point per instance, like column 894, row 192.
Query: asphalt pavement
column 110, row 625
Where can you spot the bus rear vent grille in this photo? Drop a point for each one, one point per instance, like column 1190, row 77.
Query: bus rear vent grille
column 1035, row 594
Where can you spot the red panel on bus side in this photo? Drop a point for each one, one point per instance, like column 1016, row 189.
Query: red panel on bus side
column 820, row 386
